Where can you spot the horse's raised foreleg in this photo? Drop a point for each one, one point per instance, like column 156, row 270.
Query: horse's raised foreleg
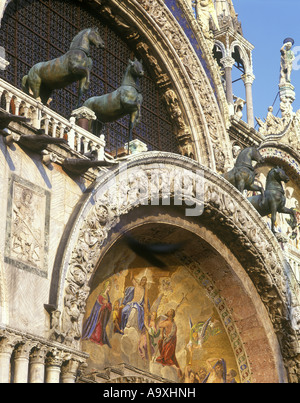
column 83, row 87
column 292, row 213
column 273, row 216
column 132, row 123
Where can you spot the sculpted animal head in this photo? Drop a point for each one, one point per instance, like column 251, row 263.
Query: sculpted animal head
column 136, row 68
column 279, row 174
column 256, row 155
column 95, row 38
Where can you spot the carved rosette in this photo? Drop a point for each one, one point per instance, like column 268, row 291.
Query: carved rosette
column 227, row 213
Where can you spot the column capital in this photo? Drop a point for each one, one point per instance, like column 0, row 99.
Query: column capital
column 69, row 371
column 38, row 355
column 22, row 350
column 54, row 360
column 248, row 78
column 8, row 343
column 228, row 62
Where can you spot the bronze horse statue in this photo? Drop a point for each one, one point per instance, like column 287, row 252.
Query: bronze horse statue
column 58, row 73
column 242, row 176
column 127, row 99
column 274, row 198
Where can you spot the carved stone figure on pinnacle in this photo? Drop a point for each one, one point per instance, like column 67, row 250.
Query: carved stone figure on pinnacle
column 286, row 88
column 287, row 59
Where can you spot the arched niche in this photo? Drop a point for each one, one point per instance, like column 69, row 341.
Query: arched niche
column 205, row 290
column 250, row 254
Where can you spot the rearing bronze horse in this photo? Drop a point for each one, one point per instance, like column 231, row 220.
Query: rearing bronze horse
column 75, row 65
column 274, row 199
column 127, row 99
column 242, row 176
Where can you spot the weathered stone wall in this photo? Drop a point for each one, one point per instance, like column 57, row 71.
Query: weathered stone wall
column 36, row 203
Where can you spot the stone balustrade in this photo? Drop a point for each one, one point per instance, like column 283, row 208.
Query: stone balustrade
column 42, row 117
column 26, row 359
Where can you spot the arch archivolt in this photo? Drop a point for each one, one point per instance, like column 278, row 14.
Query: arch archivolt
column 226, row 212
column 284, row 155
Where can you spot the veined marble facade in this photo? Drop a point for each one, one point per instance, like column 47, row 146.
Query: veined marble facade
column 229, row 299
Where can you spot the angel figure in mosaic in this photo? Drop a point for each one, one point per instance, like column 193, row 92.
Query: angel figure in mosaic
column 200, row 333
column 148, row 339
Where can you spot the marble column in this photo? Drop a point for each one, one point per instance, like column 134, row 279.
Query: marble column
column 69, row 371
column 37, row 366
column 248, row 79
column 53, row 369
column 6, row 349
column 21, row 361
column 228, row 63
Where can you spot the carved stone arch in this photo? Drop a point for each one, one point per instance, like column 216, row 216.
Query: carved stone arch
column 227, row 214
column 221, row 47
column 244, row 56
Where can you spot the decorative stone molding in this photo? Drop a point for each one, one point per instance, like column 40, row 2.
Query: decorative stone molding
column 227, row 213
column 122, row 373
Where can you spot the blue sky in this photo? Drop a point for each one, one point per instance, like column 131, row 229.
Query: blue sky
column 266, row 23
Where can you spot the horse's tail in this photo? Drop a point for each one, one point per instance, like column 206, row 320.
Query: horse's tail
column 25, row 86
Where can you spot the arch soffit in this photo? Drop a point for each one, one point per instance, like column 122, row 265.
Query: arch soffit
column 231, row 216
column 222, row 47
column 244, row 56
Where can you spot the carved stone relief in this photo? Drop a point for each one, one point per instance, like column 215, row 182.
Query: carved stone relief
column 27, row 230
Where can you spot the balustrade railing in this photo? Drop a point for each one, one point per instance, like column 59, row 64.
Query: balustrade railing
column 55, row 125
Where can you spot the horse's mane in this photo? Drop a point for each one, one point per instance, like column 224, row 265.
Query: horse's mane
column 77, row 39
column 270, row 173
